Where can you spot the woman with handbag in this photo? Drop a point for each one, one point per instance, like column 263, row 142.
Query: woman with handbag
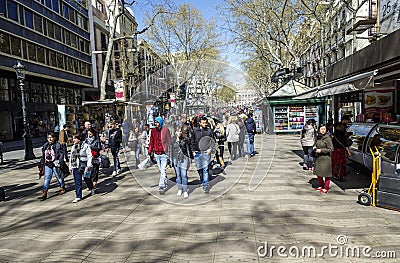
column 340, row 153
column 323, row 169
column 179, row 153
column 95, row 146
column 80, row 165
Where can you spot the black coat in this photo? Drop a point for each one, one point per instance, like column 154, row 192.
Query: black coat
column 115, row 138
column 199, row 133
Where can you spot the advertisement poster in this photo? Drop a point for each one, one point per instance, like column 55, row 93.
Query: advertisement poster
column 119, row 90
column 377, row 101
column 61, row 115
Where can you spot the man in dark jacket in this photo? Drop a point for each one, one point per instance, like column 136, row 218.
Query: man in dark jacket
column 251, row 131
column 52, row 159
column 160, row 138
column 114, row 142
column 202, row 153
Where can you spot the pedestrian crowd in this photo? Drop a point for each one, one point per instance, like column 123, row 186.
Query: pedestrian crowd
column 325, row 151
column 171, row 142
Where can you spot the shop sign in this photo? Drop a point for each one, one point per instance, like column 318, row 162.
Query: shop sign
column 387, row 8
column 119, row 90
column 378, row 101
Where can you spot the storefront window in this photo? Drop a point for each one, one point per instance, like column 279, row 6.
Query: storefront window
column 16, row 46
column 36, row 92
column 4, row 43
column 61, row 95
column 386, row 139
column 4, row 94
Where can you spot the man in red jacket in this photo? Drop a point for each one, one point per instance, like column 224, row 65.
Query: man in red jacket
column 159, row 142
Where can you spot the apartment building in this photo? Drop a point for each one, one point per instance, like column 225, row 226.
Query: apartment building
column 52, row 39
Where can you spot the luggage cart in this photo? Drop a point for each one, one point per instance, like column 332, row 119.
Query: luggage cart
column 368, row 197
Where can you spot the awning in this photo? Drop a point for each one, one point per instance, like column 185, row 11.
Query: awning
column 354, row 83
column 102, row 102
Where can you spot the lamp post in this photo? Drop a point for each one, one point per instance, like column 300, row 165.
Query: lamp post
column 20, row 71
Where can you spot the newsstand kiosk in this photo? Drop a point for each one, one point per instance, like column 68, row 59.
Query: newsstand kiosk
column 290, row 115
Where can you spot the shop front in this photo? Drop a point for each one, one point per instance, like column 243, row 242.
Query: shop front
column 289, row 114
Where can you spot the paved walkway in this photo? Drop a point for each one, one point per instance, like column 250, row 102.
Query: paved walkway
column 125, row 223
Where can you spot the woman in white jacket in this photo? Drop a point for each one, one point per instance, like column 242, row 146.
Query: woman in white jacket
column 232, row 137
column 80, row 164
column 308, row 139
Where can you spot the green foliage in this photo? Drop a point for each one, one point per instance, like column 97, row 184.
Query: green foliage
column 225, row 93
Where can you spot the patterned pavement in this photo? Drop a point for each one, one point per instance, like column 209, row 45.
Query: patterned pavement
column 124, row 222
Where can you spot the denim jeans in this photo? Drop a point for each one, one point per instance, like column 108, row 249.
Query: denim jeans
column 250, row 143
column 307, row 157
column 202, row 160
column 162, row 160
column 48, row 173
column 137, row 153
column 181, row 168
column 78, row 182
column 114, row 152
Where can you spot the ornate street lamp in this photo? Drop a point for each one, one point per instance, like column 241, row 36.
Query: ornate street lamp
column 20, row 71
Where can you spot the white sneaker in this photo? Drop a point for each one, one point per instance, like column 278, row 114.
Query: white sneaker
column 93, row 192
column 119, row 171
column 114, row 173
column 76, row 200
column 185, row 194
column 179, row 193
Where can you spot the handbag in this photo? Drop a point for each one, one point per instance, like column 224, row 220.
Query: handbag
column 347, row 152
column 104, row 161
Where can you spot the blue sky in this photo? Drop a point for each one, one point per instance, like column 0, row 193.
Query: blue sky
column 208, row 10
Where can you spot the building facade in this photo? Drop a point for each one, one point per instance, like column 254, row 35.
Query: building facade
column 52, row 39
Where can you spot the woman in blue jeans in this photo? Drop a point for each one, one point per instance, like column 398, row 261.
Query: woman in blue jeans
column 179, row 153
column 80, row 164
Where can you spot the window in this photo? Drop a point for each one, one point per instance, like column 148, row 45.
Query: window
column 36, row 92
column 87, row 47
column 31, row 52
column 52, row 58
column 74, row 41
column 48, row 3
column 2, row 7
column 38, row 23
column 16, row 46
column 79, row 20
column 67, row 38
column 28, row 19
column 76, row 66
column 66, row 11
column 50, row 29
column 56, row 6
column 69, row 64
column 60, row 60
column 12, row 10
column 85, row 24
column 103, row 41
column 99, row 6
column 4, row 94
column 81, row 44
column 4, row 43
column 40, row 55
column 57, row 32
column 71, row 16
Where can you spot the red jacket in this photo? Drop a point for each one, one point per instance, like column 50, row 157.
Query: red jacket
column 159, row 140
